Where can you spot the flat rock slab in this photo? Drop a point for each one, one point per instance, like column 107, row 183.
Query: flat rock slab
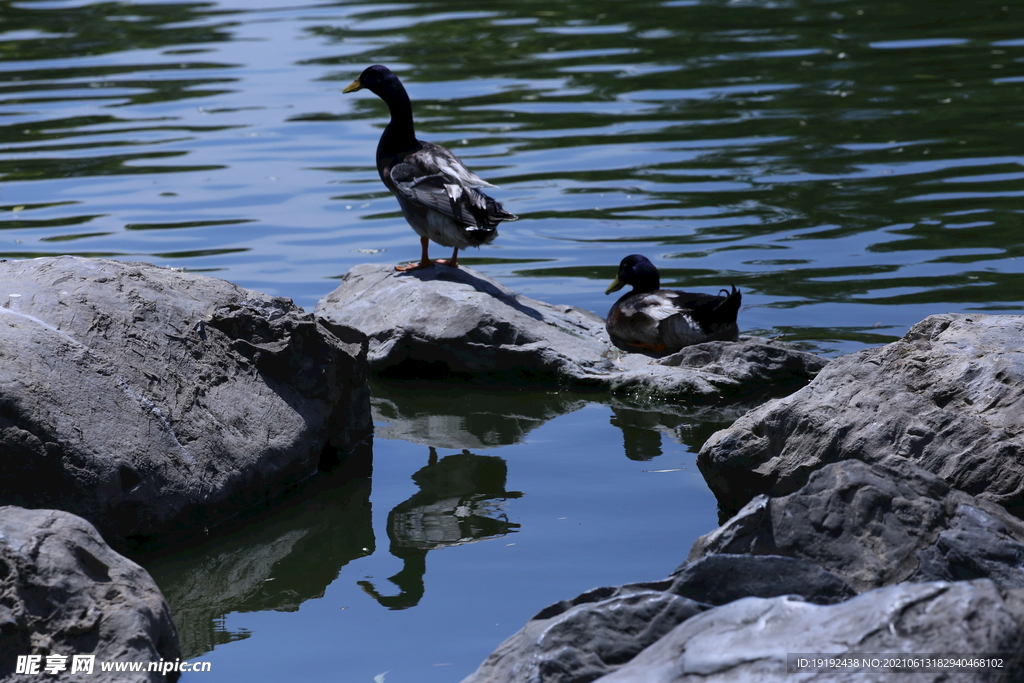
column 152, row 401
column 445, row 323
column 878, row 525
column 752, row 639
column 63, row 591
column 949, row 396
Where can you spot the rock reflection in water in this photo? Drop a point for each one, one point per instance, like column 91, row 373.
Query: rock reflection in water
column 446, row 416
column 643, row 426
column 460, row 501
column 274, row 562
column 442, row 415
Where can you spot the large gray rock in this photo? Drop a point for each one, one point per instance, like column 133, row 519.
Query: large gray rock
column 852, row 528
column 444, row 323
column 63, row 591
column 948, row 396
column 755, row 639
column 879, row 525
column 152, row 401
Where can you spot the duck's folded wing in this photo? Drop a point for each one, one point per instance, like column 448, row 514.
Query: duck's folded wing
column 437, row 159
column 466, row 205
column 638, row 317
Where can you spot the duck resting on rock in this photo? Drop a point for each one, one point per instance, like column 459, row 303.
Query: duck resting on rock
column 437, row 193
column 658, row 321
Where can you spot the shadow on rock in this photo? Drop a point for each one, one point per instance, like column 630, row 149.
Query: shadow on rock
column 878, row 525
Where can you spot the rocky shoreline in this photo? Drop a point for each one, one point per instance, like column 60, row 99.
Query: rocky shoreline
column 870, row 511
column 948, row 396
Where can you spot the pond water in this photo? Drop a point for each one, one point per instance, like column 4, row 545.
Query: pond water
column 852, row 166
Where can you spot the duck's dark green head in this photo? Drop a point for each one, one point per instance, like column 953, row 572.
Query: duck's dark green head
column 381, row 81
column 636, row 270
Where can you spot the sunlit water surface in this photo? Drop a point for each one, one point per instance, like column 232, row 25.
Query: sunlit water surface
column 852, row 166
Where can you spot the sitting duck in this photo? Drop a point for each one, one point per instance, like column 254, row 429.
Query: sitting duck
column 437, row 193
column 658, row 321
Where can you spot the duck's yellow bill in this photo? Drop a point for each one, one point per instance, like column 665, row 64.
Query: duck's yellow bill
column 353, row 86
column 615, row 286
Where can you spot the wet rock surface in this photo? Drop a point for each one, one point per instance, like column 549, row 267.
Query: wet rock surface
column 444, row 323
column 63, row 591
column 949, row 396
column 156, row 402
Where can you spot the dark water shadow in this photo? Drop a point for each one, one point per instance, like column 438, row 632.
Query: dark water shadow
column 275, row 560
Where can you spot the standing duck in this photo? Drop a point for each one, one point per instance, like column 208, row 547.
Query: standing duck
column 661, row 321
column 437, row 193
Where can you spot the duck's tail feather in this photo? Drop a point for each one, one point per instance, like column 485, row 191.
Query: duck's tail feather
column 729, row 308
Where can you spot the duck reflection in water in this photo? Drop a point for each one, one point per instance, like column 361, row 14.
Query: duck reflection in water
column 459, row 502
column 640, row 436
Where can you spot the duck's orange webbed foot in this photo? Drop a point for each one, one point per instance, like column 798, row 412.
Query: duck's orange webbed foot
column 414, row 266
column 452, row 262
column 425, row 261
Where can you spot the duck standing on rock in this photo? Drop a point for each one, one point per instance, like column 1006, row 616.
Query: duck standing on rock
column 658, row 321
column 437, row 193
